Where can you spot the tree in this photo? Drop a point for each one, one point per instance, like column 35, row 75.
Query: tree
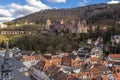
column 50, row 49
column 3, row 44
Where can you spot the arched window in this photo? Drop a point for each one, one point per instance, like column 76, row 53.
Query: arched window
column 7, row 75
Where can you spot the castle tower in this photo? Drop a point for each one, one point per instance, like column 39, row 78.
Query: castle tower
column 73, row 26
column 7, row 68
column 48, row 23
column 82, row 27
column 62, row 22
column 79, row 27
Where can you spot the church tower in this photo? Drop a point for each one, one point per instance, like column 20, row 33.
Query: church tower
column 7, row 68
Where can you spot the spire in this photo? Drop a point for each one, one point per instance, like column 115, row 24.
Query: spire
column 7, row 51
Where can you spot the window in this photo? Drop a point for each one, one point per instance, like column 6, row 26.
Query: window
column 84, row 77
column 104, row 72
column 11, row 74
column 111, row 78
column 7, row 75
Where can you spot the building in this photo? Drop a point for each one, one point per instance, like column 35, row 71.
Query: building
column 30, row 61
column 48, row 23
column 7, row 68
column 115, row 58
column 84, row 52
column 73, row 68
column 97, row 52
column 56, row 59
column 12, row 69
column 2, row 25
column 93, row 60
column 82, row 27
column 38, row 71
column 16, row 32
column 12, row 32
column 62, row 22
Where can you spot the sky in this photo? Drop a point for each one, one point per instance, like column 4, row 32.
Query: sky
column 11, row 9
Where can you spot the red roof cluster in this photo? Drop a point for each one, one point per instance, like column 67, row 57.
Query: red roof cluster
column 114, row 55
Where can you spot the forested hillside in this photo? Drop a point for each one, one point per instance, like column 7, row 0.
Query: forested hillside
column 99, row 13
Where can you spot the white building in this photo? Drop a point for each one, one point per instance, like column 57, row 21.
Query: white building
column 3, row 25
column 96, row 52
column 29, row 61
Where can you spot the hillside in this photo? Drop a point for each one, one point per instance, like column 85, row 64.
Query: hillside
column 99, row 13
column 59, row 38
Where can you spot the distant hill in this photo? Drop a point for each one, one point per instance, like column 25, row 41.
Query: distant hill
column 93, row 14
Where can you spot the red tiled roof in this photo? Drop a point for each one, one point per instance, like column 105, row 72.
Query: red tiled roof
column 71, row 77
column 95, row 70
column 55, row 70
column 117, row 76
column 117, row 67
column 84, row 73
column 106, row 78
column 114, row 55
column 40, row 65
column 93, row 59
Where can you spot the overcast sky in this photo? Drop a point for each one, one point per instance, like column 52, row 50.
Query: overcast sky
column 11, row 9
